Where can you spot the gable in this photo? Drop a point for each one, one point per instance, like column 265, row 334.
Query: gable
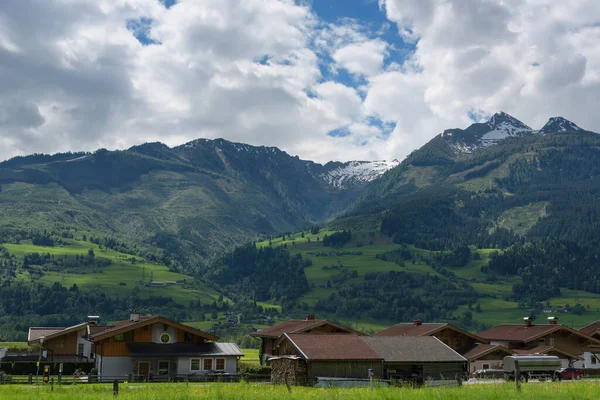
column 155, row 323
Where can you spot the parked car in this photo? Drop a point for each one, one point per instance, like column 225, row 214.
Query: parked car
column 569, row 373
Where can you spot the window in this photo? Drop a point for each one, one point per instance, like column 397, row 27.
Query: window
column 551, row 341
column 195, row 364
column 163, row 367
column 165, row 338
column 188, row 337
column 80, row 349
column 486, row 366
column 118, row 338
column 542, row 342
column 220, row 364
column 128, row 336
column 208, row 364
column 594, row 360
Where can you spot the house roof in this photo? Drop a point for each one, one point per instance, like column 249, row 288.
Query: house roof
column 51, row 335
column 125, row 326
column 525, row 334
column 299, row 326
column 184, row 349
column 532, row 350
column 36, row 332
column 423, row 329
column 420, row 349
column 592, row 329
column 482, row 349
column 332, row 347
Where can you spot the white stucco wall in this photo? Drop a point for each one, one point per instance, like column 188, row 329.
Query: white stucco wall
column 587, row 361
column 183, row 365
column 87, row 345
column 116, row 366
column 159, row 329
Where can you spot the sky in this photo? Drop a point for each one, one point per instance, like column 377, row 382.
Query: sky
column 321, row 79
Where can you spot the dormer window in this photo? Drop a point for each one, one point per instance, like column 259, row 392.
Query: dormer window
column 165, row 338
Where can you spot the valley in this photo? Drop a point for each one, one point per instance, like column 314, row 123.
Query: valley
column 480, row 226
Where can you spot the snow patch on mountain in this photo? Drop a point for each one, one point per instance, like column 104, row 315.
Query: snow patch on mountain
column 357, row 173
column 559, row 124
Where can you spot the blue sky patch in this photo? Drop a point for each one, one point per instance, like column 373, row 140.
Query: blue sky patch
column 140, row 28
column 168, row 3
column 342, row 132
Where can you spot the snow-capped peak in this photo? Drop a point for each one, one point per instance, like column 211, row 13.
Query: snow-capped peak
column 559, row 124
column 502, row 125
column 357, row 173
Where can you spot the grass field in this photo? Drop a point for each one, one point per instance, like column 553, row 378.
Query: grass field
column 175, row 391
column 121, row 276
column 250, row 355
column 18, row 345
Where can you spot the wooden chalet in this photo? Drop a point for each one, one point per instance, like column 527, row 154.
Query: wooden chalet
column 591, row 358
column 483, row 356
column 70, row 344
column 449, row 334
column 156, row 346
column 142, row 347
column 551, row 339
column 310, row 325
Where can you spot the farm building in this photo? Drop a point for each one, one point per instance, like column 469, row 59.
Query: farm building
column 550, row 339
column 310, row 325
column 302, row 358
column 417, row 358
column 334, row 356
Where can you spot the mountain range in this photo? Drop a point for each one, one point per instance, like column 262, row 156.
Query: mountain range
column 198, row 199
column 494, row 213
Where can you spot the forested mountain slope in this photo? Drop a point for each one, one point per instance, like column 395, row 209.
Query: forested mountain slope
column 535, row 195
column 193, row 202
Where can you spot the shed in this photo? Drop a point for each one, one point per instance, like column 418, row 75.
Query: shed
column 335, row 356
column 417, row 358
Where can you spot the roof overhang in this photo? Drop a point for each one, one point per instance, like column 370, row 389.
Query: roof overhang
column 492, row 349
column 54, row 335
column 158, row 319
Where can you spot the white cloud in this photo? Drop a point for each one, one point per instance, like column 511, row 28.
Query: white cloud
column 73, row 77
column 365, row 58
column 531, row 58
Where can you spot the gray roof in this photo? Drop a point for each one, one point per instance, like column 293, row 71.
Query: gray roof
column 184, row 349
column 412, row 349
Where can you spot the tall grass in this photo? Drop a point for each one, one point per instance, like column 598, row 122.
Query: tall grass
column 504, row 391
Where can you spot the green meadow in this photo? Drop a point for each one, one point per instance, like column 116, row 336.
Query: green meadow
column 121, row 276
column 580, row 390
column 360, row 255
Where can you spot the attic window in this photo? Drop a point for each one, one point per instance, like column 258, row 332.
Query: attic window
column 165, row 338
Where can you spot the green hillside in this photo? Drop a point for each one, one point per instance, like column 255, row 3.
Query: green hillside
column 121, row 274
column 493, row 304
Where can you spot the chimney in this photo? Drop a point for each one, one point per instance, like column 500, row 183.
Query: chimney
column 310, row 317
column 134, row 317
column 528, row 321
column 553, row 320
column 93, row 319
column 417, row 322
